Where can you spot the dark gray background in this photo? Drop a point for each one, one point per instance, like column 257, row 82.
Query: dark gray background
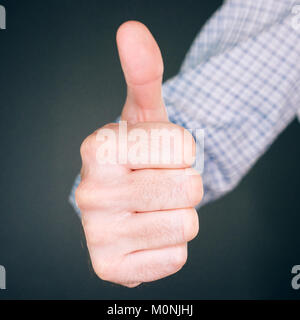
column 60, row 79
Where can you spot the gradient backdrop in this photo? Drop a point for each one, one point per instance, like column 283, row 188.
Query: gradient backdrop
column 60, row 79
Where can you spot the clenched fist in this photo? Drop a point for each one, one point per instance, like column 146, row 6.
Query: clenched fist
column 137, row 195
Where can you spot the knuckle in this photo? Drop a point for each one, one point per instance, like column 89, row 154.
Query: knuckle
column 104, row 229
column 91, row 236
column 189, row 151
column 80, row 196
column 189, row 137
column 195, row 189
column 87, row 148
column 191, row 225
column 179, row 258
column 90, row 195
column 103, row 269
column 94, row 235
column 84, row 195
column 107, row 267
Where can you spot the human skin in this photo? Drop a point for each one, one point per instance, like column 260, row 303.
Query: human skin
column 138, row 219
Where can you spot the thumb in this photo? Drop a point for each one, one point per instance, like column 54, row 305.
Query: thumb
column 142, row 65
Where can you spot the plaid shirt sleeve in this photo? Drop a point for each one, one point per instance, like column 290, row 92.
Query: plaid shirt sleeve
column 239, row 84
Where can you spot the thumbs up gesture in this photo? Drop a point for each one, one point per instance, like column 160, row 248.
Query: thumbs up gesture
column 137, row 192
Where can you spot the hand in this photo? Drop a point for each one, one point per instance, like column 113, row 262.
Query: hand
column 138, row 216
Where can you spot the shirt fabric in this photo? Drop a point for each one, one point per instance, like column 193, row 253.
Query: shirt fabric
column 240, row 83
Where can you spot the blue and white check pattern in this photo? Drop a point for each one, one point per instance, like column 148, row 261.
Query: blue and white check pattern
column 239, row 83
